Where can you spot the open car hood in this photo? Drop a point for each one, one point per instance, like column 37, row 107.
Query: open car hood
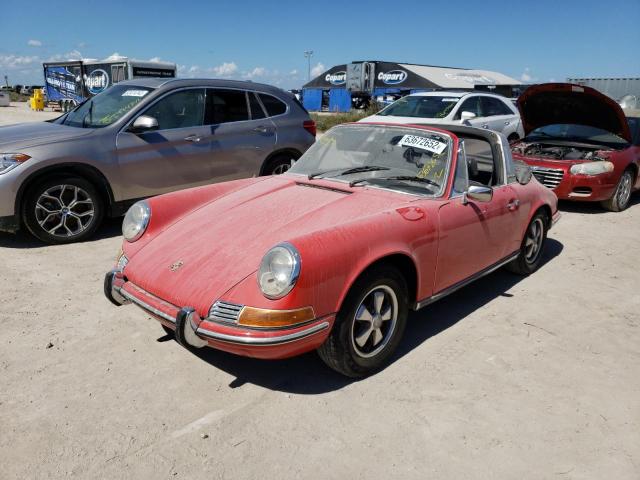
column 565, row 103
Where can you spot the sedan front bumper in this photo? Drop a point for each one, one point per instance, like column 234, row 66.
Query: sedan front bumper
column 192, row 331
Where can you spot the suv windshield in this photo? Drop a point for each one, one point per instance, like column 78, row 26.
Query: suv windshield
column 576, row 133
column 401, row 158
column 106, row 107
column 421, row 106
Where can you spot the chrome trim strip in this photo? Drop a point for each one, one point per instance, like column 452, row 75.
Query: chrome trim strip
column 262, row 341
column 146, row 306
column 465, row 282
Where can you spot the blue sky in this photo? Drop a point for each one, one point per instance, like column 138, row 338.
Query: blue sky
column 265, row 40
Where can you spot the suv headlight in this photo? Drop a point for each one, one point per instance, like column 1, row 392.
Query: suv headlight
column 8, row 161
column 136, row 221
column 592, row 168
column 279, row 271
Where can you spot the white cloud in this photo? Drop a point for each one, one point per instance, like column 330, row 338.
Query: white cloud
column 256, row 72
column 11, row 62
column 227, row 69
column 293, row 72
column 61, row 57
column 155, row 59
column 527, row 76
column 317, row 70
column 34, row 43
column 115, row 56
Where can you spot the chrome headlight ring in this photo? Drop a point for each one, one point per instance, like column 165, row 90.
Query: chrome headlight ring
column 279, row 271
column 136, row 221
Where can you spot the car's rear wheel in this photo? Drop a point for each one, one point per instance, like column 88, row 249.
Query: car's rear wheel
column 532, row 246
column 622, row 195
column 63, row 210
column 370, row 324
column 279, row 164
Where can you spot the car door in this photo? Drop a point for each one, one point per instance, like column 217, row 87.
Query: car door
column 473, row 104
column 473, row 235
column 242, row 136
column 498, row 116
column 175, row 155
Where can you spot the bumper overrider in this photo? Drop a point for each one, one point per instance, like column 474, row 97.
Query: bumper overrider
column 234, row 328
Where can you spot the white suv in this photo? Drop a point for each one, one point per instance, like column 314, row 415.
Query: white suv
column 482, row 110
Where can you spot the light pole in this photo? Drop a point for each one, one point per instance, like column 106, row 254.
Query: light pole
column 308, row 55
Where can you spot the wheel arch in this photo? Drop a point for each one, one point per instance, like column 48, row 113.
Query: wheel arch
column 88, row 172
column 403, row 262
column 547, row 211
column 289, row 151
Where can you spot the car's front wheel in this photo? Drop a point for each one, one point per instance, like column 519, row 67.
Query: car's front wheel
column 279, row 164
column 63, row 210
column 532, row 246
column 370, row 324
column 622, row 195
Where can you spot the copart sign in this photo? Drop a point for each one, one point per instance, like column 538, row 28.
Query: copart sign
column 97, row 81
column 394, row 77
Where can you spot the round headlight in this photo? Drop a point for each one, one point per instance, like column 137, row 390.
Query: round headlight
column 135, row 221
column 279, row 271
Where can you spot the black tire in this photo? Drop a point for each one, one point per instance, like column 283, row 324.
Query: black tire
column 279, row 164
column 341, row 351
column 529, row 261
column 75, row 220
column 621, row 198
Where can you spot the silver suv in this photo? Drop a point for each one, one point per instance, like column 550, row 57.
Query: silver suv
column 142, row 138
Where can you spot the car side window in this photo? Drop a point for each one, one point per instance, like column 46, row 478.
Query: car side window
column 256, row 109
column 461, row 179
column 181, row 109
column 481, row 162
column 470, row 105
column 224, row 106
column 273, row 105
column 492, row 107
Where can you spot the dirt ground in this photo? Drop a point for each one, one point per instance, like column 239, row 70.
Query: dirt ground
column 18, row 112
column 511, row 377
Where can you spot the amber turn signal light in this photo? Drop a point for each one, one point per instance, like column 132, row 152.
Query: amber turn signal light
column 264, row 318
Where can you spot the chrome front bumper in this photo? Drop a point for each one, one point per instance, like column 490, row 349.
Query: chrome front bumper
column 188, row 325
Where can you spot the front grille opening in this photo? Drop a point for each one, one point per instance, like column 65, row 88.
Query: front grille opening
column 549, row 177
column 582, row 190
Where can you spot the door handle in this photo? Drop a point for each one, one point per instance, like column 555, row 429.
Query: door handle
column 193, row 138
column 261, row 129
column 513, row 204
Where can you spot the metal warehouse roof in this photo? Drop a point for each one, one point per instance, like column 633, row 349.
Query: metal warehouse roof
column 447, row 77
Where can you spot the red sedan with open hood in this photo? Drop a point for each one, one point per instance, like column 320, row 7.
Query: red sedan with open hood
column 580, row 144
column 372, row 221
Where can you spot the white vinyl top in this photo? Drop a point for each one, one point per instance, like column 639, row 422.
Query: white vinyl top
column 460, row 78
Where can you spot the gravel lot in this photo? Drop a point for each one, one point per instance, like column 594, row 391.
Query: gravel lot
column 508, row 378
column 19, row 112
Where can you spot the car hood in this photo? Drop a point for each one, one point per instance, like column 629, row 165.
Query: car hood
column 565, row 103
column 24, row 135
column 223, row 242
column 402, row 120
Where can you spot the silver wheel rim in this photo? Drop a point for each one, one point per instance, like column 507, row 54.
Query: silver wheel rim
column 283, row 167
column 533, row 240
column 374, row 322
column 64, row 211
column 624, row 190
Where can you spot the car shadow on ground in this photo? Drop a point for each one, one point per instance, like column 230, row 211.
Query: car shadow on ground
column 308, row 375
column 592, row 208
column 111, row 227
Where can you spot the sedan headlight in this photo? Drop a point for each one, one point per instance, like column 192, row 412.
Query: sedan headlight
column 591, row 168
column 136, row 221
column 8, row 161
column 279, row 271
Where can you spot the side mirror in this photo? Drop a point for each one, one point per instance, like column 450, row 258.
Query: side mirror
column 144, row 123
column 478, row 194
column 466, row 116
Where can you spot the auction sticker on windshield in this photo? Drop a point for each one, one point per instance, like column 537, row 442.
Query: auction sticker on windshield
column 423, row 143
column 134, row 93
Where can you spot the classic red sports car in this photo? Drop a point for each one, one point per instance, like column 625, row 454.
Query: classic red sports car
column 579, row 143
column 372, row 221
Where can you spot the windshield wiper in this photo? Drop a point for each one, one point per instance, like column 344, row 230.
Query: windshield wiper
column 396, row 177
column 370, row 168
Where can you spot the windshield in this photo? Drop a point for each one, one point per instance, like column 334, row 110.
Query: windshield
column 408, row 159
column 106, row 107
column 576, row 133
column 421, row 106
